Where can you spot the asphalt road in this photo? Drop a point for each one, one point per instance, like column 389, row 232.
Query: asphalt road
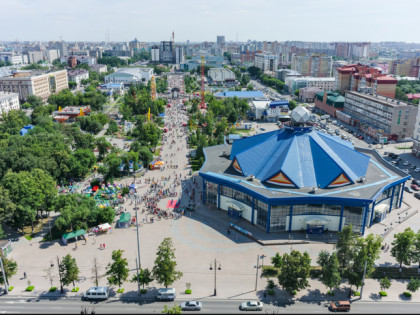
column 74, row 306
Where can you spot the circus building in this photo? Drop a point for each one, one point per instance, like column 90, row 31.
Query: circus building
column 298, row 179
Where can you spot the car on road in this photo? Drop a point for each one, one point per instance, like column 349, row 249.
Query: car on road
column 408, row 189
column 339, row 306
column 191, row 306
column 251, row 306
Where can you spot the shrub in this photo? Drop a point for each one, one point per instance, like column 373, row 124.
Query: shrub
column 143, row 291
column 407, row 294
column 125, row 191
column 271, row 284
column 76, row 289
column 330, row 292
column 11, row 288
column 53, row 289
column 188, row 291
column 30, row 288
column 356, row 293
column 120, row 290
column 270, row 292
column 293, row 292
column 382, row 293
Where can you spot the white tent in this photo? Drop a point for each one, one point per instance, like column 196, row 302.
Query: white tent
column 104, row 227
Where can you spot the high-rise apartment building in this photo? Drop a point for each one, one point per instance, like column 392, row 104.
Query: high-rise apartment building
column 266, row 62
column 155, row 53
column 134, row 45
column 352, row 50
column 166, row 53
column 408, row 68
column 221, row 41
column 313, row 65
column 356, row 76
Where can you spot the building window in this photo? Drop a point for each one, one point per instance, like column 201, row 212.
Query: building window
column 353, row 216
column 279, row 217
column 262, row 215
column 211, row 194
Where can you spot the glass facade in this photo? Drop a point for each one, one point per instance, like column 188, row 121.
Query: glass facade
column 279, row 213
column 262, row 209
column 211, row 194
column 353, row 215
column 278, row 217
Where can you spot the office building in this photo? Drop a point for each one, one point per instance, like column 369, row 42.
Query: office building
column 307, row 94
column 134, row 45
column 292, row 83
column 98, row 68
column 381, row 116
column 221, row 76
column 313, row 65
column 221, row 41
column 52, row 55
column 166, row 53
column 13, row 58
column 8, row 102
column 282, row 74
column 32, row 83
column 78, row 75
column 328, row 102
column 35, row 56
column 155, row 53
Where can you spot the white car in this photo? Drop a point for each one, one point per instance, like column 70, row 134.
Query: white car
column 191, row 306
column 252, row 306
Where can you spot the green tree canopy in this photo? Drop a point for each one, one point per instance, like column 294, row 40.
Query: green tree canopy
column 118, row 270
column 10, row 268
column 294, row 271
column 69, row 271
column 164, row 269
column 402, row 247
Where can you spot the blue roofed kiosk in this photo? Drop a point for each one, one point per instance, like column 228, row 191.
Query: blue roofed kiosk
column 298, row 179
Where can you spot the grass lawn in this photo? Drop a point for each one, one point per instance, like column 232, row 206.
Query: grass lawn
column 27, row 230
column 157, row 152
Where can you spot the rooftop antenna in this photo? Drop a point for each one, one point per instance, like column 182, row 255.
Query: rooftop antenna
column 108, row 36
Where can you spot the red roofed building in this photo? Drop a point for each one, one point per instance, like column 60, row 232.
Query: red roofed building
column 413, row 96
column 355, row 76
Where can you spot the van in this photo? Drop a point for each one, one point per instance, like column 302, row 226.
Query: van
column 167, row 294
column 340, row 306
column 96, row 293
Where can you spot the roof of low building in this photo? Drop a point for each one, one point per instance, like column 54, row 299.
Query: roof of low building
column 241, row 94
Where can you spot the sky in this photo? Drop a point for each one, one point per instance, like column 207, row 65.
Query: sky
column 203, row 20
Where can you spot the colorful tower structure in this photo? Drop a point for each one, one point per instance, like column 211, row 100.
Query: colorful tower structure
column 203, row 103
column 153, row 88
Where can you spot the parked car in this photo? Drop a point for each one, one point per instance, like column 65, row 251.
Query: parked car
column 361, row 138
column 385, row 153
column 340, row 306
column 417, row 195
column 251, row 306
column 413, row 167
column 415, row 187
column 408, row 189
column 415, row 182
column 96, row 293
column 191, row 306
column 417, row 170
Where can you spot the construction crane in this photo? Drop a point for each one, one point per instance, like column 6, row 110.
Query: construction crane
column 173, row 48
column 203, row 103
column 153, row 88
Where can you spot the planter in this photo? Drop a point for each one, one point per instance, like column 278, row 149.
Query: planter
column 356, row 293
column 188, row 291
column 382, row 293
column 53, row 289
column 30, row 288
column 76, row 289
column 120, row 290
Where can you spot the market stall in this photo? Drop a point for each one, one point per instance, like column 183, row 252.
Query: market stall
column 124, row 221
column 73, row 235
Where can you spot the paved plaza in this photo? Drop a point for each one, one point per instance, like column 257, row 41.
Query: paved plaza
column 199, row 237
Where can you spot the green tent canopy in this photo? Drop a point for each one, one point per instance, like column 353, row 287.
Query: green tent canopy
column 71, row 235
column 124, row 220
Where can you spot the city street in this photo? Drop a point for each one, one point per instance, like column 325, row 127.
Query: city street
column 210, row 306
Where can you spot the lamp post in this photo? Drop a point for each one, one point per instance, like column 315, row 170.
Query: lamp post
column 215, row 272
column 290, row 241
column 132, row 192
column 258, row 267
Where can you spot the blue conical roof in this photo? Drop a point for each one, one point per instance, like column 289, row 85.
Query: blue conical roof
column 299, row 157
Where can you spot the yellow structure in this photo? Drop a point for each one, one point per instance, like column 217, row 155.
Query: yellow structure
column 148, row 115
column 153, row 88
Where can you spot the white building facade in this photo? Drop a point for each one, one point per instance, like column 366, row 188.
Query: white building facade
column 291, row 84
column 78, row 75
column 8, row 102
column 266, row 62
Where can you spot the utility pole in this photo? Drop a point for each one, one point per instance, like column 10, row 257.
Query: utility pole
column 59, row 274
column 137, row 225
column 256, row 276
column 4, row 276
column 138, row 280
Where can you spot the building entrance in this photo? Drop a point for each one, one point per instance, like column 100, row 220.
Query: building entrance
column 314, row 228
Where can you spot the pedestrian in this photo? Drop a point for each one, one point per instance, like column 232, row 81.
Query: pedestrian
column 24, row 275
column 104, row 245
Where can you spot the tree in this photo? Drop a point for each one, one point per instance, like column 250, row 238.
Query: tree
column 69, row 271
column 118, row 270
column 72, row 85
column 277, row 261
column 95, row 271
column 402, row 247
column 345, row 245
column 49, row 274
column 164, row 269
column 7, row 206
column 10, row 268
column 385, row 284
column 112, row 127
column 297, row 92
column 413, row 285
column 103, row 145
column 173, row 310
column 330, row 275
column 144, row 278
column 294, row 271
column 415, row 252
column 34, row 100
column 250, row 87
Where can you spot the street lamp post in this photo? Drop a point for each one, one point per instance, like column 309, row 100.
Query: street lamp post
column 215, row 272
column 290, row 241
column 137, row 226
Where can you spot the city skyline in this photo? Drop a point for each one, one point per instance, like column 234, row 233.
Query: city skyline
column 372, row 21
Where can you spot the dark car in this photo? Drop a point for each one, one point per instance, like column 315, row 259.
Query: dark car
column 361, row 138
column 417, row 195
column 415, row 182
column 415, row 187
